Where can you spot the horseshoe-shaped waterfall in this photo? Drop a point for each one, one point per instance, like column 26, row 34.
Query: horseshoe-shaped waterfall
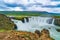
column 38, row 23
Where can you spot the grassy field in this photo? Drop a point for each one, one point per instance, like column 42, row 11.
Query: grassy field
column 27, row 13
column 21, row 14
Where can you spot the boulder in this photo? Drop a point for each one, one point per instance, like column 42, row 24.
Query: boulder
column 45, row 35
column 38, row 32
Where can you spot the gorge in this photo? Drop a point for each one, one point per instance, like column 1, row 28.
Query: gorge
column 33, row 23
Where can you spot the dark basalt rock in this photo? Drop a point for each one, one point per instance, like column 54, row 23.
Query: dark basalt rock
column 15, row 27
column 27, row 20
column 38, row 32
column 23, row 20
column 57, row 21
column 50, row 21
column 6, row 23
column 58, row 30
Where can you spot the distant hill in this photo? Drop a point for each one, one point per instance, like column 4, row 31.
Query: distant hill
column 29, row 13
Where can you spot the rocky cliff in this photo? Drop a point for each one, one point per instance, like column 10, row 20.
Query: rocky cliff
column 6, row 23
column 57, row 21
column 45, row 35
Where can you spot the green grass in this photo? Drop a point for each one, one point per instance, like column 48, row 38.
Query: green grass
column 28, row 13
column 20, row 13
column 2, row 30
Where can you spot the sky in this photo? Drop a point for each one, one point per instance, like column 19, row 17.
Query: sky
column 52, row 6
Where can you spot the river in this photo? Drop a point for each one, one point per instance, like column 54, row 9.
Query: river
column 38, row 23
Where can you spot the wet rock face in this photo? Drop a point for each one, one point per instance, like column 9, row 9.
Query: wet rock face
column 58, row 30
column 38, row 32
column 50, row 21
column 21, row 35
column 6, row 23
column 23, row 19
column 57, row 21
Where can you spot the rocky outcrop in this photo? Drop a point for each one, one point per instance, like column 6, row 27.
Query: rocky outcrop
column 18, row 35
column 45, row 35
column 6, row 23
column 58, row 30
column 57, row 21
column 22, row 35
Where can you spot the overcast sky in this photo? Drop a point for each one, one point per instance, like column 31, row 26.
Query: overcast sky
column 30, row 5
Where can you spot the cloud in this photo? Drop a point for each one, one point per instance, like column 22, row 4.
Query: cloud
column 16, row 9
column 55, row 10
column 30, row 5
column 34, row 8
column 52, row 6
column 18, row 2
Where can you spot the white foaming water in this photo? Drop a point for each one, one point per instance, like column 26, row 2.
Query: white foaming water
column 38, row 23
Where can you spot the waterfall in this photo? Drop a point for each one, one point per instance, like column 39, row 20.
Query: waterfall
column 25, row 20
column 38, row 23
column 41, row 20
column 29, row 22
column 53, row 21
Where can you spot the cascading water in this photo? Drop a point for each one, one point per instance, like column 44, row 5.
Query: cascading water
column 38, row 23
column 41, row 20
